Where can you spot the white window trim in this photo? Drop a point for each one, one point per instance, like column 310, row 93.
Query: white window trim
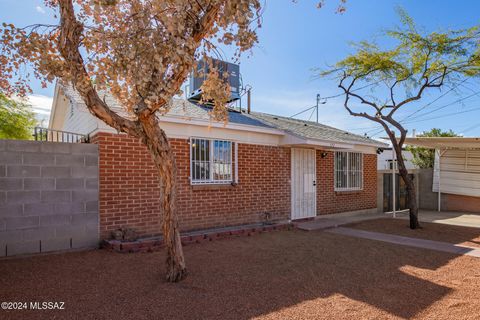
column 210, row 181
column 348, row 161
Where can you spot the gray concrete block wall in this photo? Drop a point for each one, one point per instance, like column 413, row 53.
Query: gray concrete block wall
column 48, row 196
column 428, row 198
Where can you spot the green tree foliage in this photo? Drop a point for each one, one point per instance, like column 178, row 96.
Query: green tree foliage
column 407, row 65
column 16, row 119
column 423, row 157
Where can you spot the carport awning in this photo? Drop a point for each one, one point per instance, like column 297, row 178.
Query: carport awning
column 444, row 142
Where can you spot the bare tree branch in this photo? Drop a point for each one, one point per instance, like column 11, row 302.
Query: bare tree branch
column 69, row 42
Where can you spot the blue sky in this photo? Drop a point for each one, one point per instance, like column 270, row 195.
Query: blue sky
column 297, row 37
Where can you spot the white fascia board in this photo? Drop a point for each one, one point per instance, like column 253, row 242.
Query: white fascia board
column 214, row 124
column 54, row 106
column 294, row 140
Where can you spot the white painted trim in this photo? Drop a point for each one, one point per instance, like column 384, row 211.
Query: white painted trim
column 236, row 162
column 54, row 106
column 335, row 188
column 292, row 172
column 210, row 181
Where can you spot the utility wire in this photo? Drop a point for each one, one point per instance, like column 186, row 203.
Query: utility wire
column 311, row 114
column 471, row 128
column 430, row 112
column 336, row 96
column 303, row 111
column 435, row 100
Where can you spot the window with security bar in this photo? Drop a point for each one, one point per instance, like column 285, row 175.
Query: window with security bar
column 348, row 171
column 210, row 161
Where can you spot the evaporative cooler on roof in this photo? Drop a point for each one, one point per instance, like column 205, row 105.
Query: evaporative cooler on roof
column 197, row 78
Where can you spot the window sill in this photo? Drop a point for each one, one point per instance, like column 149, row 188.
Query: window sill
column 346, row 192
column 212, row 186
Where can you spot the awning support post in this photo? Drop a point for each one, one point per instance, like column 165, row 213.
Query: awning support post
column 439, row 182
column 394, row 173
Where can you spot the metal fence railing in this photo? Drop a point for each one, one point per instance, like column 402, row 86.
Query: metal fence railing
column 45, row 134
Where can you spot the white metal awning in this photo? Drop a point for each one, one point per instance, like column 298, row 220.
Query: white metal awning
column 444, row 142
column 455, row 169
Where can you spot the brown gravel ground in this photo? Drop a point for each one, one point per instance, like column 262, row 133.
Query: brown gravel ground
column 430, row 231
column 281, row 275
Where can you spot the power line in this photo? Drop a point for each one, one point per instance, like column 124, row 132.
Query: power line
column 334, row 96
column 435, row 100
column 439, row 117
column 471, row 128
column 430, row 112
column 311, row 114
column 429, row 104
column 445, row 115
column 303, row 111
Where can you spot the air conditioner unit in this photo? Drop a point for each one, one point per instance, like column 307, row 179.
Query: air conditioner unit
column 198, row 77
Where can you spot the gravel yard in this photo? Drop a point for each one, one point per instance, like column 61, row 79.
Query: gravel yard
column 279, row 275
column 430, row 231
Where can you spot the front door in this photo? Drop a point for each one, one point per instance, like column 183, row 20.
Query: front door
column 304, row 184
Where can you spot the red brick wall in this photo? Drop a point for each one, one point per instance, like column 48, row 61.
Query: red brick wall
column 455, row 202
column 330, row 201
column 129, row 192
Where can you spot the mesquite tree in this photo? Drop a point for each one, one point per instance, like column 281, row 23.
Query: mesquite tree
column 400, row 76
column 141, row 51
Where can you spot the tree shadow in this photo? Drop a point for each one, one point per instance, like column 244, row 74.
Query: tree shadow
column 269, row 275
column 454, row 234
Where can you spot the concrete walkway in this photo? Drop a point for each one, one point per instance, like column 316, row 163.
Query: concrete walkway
column 335, row 220
column 462, row 219
column 406, row 241
column 332, row 224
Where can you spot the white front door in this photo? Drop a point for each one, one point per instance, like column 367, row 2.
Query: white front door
column 304, row 181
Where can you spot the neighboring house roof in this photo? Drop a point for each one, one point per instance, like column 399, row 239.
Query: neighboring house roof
column 184, row 110
column 313, row 130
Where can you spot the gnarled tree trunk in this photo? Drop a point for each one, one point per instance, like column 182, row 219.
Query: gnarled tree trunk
column 146, row 128
column 156, row 141
column 412, row 195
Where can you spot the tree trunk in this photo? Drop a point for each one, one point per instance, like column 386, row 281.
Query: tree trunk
column 412, row 195
column 156, row 141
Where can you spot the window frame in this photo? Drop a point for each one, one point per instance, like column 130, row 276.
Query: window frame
column 211, row 162
column 349, row 171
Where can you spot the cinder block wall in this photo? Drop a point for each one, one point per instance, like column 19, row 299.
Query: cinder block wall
column 428, row 199
column 450, row 202
column 48, row 196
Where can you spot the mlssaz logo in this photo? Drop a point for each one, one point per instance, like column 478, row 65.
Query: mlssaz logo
column 47, row 305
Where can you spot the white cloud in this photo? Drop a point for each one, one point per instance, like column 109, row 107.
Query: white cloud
column 40, row 103
column 40, row 9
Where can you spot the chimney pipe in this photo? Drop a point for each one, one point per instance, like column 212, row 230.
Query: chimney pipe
column 249, row 97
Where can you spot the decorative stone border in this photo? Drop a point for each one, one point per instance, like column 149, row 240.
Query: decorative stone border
column 155, row 244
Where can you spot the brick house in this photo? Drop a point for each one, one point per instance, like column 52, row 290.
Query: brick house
column 257, row 167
